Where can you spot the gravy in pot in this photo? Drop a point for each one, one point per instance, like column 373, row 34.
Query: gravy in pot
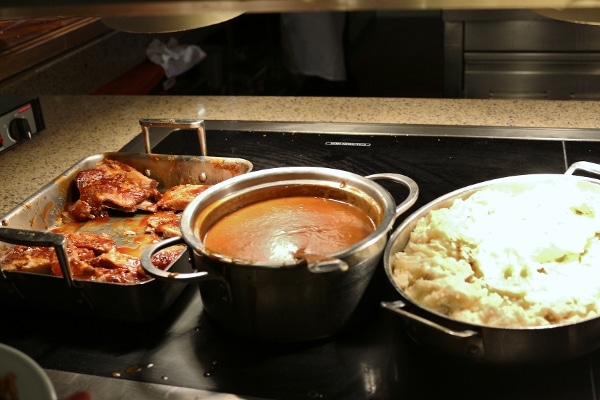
column 283, row 229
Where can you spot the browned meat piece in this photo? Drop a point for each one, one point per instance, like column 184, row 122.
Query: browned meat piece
column 113, row 185
column 43, row 260
column 117, row 267
column 117, row 168
column 83, row 250
column 79, row 261
column 97, row 243
column 164, row 224
column 178, row 197
column 116, row 260
column 123, row 195
column 121, row 275
column 29, row 259
column 81, row 211
column 164, row 258
column 89, row 177
column 147, row 205
column 106, row 267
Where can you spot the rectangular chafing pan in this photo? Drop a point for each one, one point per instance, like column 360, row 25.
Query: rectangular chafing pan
column 41, row 212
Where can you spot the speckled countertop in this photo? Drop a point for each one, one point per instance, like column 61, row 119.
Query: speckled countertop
column 79, row 126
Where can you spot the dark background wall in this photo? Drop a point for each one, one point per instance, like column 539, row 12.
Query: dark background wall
column 387, row 54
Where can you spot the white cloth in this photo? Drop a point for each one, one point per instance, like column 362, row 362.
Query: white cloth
column 173, row 57
column 314, row 44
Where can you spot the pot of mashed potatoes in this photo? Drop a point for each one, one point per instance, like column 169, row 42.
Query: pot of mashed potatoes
column 505, row 270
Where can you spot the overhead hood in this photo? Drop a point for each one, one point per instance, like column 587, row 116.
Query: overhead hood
column 11, row 9
column 173, row 15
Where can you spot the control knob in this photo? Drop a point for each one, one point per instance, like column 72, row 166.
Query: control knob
column 19, row 129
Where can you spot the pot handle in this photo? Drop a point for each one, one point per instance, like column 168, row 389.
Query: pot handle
column 412, row 186
column 25, row 237
column 585, row 166
column 323, row 264
column 152, row 270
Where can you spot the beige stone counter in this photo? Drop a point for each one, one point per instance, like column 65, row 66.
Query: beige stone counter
column 79, row 126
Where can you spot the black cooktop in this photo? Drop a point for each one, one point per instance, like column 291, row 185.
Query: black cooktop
column 373, row 358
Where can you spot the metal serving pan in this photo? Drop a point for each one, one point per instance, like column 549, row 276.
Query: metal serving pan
column 29, row 222
column 486, row 343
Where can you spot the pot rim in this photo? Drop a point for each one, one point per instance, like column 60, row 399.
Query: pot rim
column 281, row 176
column 408, row 224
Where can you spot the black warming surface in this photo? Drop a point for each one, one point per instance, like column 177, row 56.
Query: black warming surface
column 373, row 358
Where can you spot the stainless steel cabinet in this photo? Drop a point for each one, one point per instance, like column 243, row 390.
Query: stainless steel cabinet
column 519, row 54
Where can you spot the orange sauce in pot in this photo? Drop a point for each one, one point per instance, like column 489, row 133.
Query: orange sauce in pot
column 282, row 229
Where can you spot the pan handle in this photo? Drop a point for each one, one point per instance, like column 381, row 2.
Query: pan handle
column 585, row 166
column 174, row 124
column 397, row 307
column 151, row 269
column 412, row 186
column 464, row 343
column 46, row 239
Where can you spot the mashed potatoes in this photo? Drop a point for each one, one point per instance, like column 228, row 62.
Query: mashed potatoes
column 508, row 258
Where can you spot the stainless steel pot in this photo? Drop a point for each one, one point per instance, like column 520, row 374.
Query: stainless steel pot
column 481, row 343
column 308, row 300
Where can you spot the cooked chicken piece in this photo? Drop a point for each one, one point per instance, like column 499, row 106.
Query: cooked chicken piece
column 82, row 249
column 29, row 259
column 147, row 205
column 116, row 260
column 43, row 260
column 117, row 168
column 113, row 185
column 79, row 263
column 107, row 267
column 118, row 268
column 81, row 210
column 164, row 223
column 98, row 243
column 121, row 275
column 164, row 258
column 178, row 197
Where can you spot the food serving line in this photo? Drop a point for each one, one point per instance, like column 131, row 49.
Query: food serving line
column 373, row 357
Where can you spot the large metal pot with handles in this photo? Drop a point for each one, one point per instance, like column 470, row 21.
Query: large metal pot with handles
column 483, row 341
column 310, row 298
